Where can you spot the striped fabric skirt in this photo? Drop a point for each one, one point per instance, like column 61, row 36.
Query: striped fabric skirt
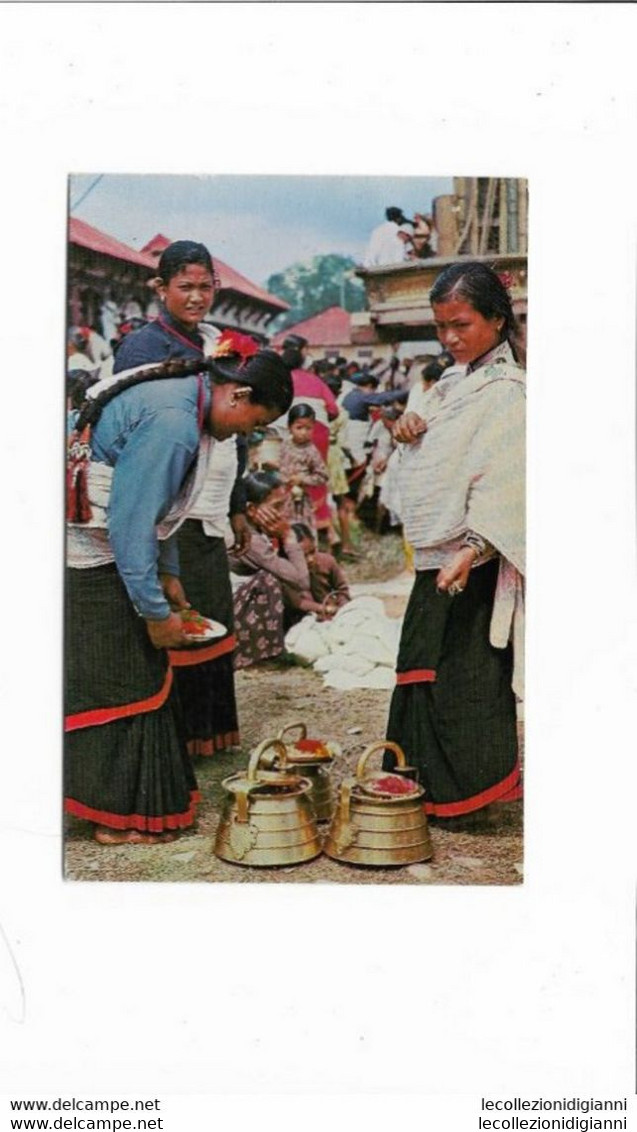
column 453, row 711
column 204, row 676
column 125, row 761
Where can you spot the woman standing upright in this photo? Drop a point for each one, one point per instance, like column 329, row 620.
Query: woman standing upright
column 462, row 496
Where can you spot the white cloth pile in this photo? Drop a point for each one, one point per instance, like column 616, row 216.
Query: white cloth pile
column 356, row 649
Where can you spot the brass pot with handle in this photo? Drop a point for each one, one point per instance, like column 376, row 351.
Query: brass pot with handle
column 311, row 758
column 379, row 818
column 267, row 817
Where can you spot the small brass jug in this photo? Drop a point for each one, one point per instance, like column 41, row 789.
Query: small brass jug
column 373, row 824
column 267, row 817
column 312, row 758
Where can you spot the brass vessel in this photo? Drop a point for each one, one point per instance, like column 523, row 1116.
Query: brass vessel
column 312, row 758
column 374, row 826
column 267, row 817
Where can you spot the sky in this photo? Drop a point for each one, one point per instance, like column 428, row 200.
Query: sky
column 257, row 224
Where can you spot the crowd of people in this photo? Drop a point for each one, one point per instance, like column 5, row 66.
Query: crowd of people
column 208, row 474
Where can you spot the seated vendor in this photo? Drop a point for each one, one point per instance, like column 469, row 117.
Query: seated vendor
column 278, row 581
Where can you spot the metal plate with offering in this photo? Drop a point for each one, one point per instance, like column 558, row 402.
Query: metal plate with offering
column 200, row 629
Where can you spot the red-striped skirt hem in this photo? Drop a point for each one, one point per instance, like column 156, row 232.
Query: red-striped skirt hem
column 508, row 790
column 142, row 822
column 208, row 747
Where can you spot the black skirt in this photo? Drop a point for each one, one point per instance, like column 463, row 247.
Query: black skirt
column 453, row 711
column 204, row 676
column 125, row 761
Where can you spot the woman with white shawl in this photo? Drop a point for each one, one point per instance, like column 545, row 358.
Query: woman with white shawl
column 459, row 667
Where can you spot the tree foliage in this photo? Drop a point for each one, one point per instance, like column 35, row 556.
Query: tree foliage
column 309, row 288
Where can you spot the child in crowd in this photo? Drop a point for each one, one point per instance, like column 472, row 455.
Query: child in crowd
column 328, row 584
column 301, row 466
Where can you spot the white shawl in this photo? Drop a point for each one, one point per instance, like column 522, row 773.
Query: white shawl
column 467, row 472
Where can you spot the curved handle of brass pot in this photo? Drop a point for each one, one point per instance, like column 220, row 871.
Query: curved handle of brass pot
column 381, row 745
column 255, row 757
column 291, row 726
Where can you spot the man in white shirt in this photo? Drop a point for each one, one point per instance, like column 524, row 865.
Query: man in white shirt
column 385, row 244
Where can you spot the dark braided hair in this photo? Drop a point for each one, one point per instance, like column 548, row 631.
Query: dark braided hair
column 93, row 407
column 265, row 374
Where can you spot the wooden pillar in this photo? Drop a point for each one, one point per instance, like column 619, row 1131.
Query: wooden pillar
column 474, row 217
column 445, row 210
column 487, row 215
column 523, row 201
column 503, row 236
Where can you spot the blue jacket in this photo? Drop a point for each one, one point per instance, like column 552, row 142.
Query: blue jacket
column 150, row 435
column 357, row 404
column 164, row 339
column 154, row 343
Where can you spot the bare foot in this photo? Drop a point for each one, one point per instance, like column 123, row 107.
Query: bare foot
column 107, row 836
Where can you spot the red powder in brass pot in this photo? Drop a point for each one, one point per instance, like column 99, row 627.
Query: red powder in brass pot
column 311, row 745
column 392, row 784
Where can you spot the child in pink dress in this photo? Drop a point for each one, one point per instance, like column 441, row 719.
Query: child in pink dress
column 301, row 466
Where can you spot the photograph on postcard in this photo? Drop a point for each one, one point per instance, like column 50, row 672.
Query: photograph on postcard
column 295, row 529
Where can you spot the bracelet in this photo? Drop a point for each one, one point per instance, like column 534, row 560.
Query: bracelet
column 474, row 542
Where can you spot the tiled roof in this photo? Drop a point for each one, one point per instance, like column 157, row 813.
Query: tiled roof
column 229, row 279
column 331, row 327
column 156, row 246
column 85, row 236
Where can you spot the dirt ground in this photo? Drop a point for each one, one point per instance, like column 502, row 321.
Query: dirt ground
column 269, row 696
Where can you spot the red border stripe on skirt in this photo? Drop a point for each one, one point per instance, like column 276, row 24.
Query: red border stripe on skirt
column 208, row 747
column 509, row 790
column 416, row 676
column 181, row 658
column 142, row 822
column 97, row 716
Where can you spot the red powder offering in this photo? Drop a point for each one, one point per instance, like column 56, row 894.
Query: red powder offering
column 194, row 629
column 194, row 624
column 392, row 784
column 311, row 745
